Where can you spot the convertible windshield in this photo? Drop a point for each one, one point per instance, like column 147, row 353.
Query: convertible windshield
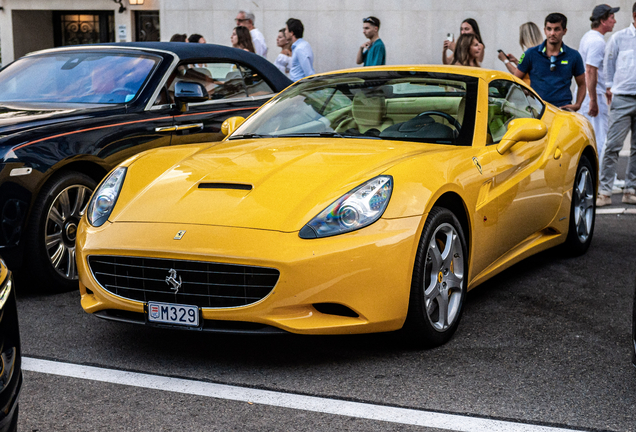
column 96, row 78
column 412, row 106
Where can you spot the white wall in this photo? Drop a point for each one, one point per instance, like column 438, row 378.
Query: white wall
column 412, row 30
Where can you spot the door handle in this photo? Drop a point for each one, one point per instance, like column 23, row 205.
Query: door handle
column 190, row 126
column 166, row 129
column 180, row 127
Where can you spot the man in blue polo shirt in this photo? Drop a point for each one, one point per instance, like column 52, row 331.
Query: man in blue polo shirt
column 552, row 65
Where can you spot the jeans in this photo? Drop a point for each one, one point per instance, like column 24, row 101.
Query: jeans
column 622, row 117
column 599, row 123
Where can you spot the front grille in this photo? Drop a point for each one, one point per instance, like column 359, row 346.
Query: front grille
column 203, row 284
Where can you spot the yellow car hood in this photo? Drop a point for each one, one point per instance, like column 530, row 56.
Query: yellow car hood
column 274, row 184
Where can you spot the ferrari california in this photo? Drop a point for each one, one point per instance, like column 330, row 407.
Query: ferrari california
column 366, row 200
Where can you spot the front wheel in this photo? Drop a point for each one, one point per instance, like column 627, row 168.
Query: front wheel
column 52, row 231
column 438, row 287
column 583, row 209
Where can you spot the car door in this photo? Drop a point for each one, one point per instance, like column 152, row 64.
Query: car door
column 527, row 200
column 234, row 90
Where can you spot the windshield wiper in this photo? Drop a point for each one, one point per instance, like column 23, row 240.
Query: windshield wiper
column 311, row 134
column 248, row 135
column 327, row 135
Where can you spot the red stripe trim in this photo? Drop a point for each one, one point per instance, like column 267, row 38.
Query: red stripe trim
column 122, row 124
column 81, row 130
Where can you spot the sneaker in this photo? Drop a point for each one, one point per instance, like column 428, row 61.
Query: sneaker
column 629, row 197
column 619, row 185
column 603, row 200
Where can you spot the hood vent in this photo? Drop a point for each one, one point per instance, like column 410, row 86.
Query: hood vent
column 236, row 186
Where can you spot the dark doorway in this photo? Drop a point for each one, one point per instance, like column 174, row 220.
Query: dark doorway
column 146, row 26
column 86, row 27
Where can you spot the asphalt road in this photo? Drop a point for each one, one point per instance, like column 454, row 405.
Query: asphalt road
column 545, row 343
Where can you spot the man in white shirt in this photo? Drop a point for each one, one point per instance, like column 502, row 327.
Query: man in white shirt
column 592, row 50
column 620, row 63
column 246, row 19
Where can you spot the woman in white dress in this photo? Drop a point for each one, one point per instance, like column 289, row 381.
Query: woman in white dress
column 283, row 61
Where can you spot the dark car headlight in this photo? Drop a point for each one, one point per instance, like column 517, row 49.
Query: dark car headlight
column 356, row 209
column 104, row 199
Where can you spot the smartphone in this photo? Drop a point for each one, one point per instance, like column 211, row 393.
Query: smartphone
column 450, row 37
column 501, row 51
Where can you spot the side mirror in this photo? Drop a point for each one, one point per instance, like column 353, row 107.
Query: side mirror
column 231, row 124
column 186, row 92
column 522, row 129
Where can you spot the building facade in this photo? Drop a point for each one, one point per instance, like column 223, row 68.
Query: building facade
column 413, row 31
column 31, row 25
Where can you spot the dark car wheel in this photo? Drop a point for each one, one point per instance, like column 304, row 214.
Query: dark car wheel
column 583, row 209
column 438, row 287
column 53, row 229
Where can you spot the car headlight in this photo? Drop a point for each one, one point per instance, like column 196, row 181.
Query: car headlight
column 105, row 197
column 354, row 210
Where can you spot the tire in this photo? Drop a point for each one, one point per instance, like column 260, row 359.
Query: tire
column 582, row 210
column 50, row 239
column 439, row 282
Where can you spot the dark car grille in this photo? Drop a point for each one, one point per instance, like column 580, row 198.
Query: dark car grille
column 204, row 284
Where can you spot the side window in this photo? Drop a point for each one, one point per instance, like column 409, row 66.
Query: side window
column 536, row 105
column 506, row 102
column 222, row 80
column 254, row 83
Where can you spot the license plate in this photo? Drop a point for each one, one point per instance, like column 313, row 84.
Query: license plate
column 169, row 313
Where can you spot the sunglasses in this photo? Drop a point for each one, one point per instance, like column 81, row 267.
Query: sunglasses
column 240, row 19
column 553, row 60
column 370, row 21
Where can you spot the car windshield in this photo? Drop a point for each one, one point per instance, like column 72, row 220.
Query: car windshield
column 396, row 105
column 71, row 77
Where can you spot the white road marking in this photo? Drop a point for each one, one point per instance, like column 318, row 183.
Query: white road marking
column 612, row 211
column 405, row 416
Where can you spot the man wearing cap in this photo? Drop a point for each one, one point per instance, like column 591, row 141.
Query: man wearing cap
column 372, row 52
column 552, row 65
column 246, row 19
column 592, row 50
column 620, row 80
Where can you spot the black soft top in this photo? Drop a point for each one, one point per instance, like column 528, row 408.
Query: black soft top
column 195, row 51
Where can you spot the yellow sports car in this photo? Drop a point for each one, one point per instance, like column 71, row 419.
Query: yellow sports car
column 365, row 200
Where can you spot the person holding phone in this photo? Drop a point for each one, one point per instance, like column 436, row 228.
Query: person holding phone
column 529, row 37
column 468, row 26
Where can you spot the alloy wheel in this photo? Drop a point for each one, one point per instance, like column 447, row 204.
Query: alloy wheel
column 60, row 230
column 443, row 277
column 583, row 198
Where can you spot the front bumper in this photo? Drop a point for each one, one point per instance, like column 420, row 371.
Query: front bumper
column 367, row 271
